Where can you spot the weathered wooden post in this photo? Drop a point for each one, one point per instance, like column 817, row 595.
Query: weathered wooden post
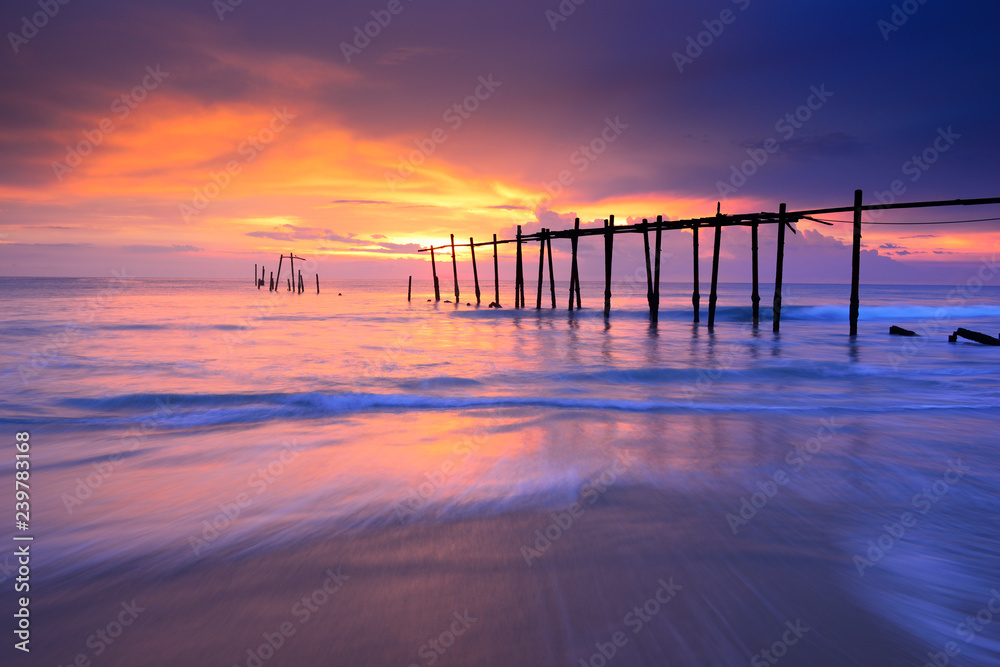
column 755, row 294
column 271, row 288
column 434, row 272
column 856, row 264
column 649, row 267
column 656, row 272
column 289, row 284
column 454, row 266
column 696, row 295
column 541, row 266
column 260, row 283
column 574, row 271
column 409, row 289
column 302, row 286
column 579, row 305
column 475, row 271
column 552, row 277
column 713, row 294
column 519, row 275
column 277, row 278
column 317, row 286
column 778, row 268
column 255, row 275
column 608, row 254
column 496, row 273
column 291, row 264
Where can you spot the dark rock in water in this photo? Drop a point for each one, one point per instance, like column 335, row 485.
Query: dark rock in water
column 447, row 301
column 900, row 331
column 468, row 304
column 494, row 304
column 428, row 300
column 339, row 294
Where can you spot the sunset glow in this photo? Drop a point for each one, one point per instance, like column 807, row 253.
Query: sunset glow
column 173, row 151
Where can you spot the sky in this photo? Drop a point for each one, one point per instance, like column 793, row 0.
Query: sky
column 198, row 138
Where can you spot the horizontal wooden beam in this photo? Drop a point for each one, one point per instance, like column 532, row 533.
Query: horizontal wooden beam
column 745, row 219
column 916, row 204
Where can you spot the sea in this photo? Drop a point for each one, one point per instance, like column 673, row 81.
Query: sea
column 470, row 485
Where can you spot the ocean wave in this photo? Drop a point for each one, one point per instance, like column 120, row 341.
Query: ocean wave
column 175, row 411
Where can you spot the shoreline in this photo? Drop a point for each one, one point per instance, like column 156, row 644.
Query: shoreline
column 381, row 597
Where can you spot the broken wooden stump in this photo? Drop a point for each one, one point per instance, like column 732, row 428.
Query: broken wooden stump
column 900, row 331
column 973, row 336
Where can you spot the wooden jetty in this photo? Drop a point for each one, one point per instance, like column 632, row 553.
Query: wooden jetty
column 783, row 218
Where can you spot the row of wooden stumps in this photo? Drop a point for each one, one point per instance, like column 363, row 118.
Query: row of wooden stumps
column 475, row 274
column 295, row 283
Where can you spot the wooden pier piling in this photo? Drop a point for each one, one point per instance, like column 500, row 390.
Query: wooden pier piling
column 496, row 274
column 552, row 277
column 409, row 289
column 696, row 295
column 434, row 273
column 475, row 271
column 655, row 310
column 609, row 242
column 255, row 274
column 713, row 294
column 271, row 288
column 755, row 293
column 779, row 265
column 541, row 268
column 519, row 275
column 277, row 278
column 260, row 283
column 317, row 285
column 454, row 266
column 574, row 271
column 302, row 287
column 649, row 267
column 289, row 284
column 856, row 263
